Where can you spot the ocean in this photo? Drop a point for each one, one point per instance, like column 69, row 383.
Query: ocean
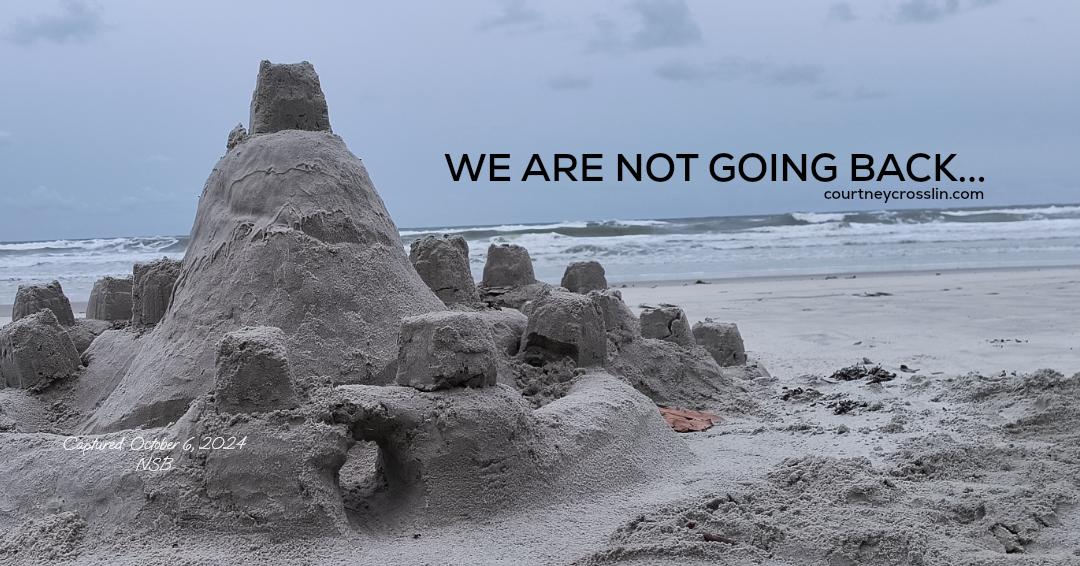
column 664, row 249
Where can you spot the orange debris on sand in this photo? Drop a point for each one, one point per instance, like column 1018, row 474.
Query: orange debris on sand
column 683, row 420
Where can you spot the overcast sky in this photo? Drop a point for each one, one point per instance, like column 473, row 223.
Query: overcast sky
column 112, row 114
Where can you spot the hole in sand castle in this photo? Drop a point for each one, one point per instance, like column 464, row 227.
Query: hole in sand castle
column 361, row 478
column 541, row 350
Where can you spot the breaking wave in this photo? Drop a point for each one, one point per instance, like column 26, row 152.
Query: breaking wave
column 797, row 243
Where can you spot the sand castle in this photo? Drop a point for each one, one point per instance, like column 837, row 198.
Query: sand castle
column 296, row 323
column 300, row 387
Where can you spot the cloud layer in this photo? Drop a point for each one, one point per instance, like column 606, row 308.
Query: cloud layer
column 663, row 24
column 513, row 13
column 929, row 11
column 569, row 81
column 77, row 22
column 733, row 68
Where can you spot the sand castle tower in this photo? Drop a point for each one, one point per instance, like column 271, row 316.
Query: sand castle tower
column 289, row 233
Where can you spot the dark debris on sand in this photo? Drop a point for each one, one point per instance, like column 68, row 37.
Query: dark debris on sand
column 877, row 374
column 845, row 406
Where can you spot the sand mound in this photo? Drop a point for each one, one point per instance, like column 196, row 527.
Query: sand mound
column 1039, row 404
column 455, row 453
column 289, row 233
column 794, row 518
column 673, row 371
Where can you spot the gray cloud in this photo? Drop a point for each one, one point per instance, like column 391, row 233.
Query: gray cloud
column 6, row 138
column 514, row 13
column 77, row 22
column 607, row 37
column 924, row 11
column 827, row 93
column 841, row 13
column 733, row 68
column 863, row 93
column 664, row 23
column 928, row 11
column 794, row 75
column 681, row 72
column 568, row 81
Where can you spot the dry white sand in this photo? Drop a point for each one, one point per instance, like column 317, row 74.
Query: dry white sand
column 951, row 323
column 941, row 466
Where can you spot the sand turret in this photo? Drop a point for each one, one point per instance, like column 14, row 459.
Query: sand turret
column 441, row 350
column 722, row 340
column 253, row 373
column 36, row 351
column 565, row 325
column 584, row 276
column 151, row 290
column 508, row 265
column 36, row 298
column 288, row 97
column 443, row 263
column 666, row 323
column 110, row 299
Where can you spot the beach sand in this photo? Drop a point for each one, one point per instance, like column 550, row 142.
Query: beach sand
column 966, row 459
column 77, row 307
column 338, row 432
column 952, row 322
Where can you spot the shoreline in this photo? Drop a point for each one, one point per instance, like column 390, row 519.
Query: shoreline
column 79, row 307
column 616, row 284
